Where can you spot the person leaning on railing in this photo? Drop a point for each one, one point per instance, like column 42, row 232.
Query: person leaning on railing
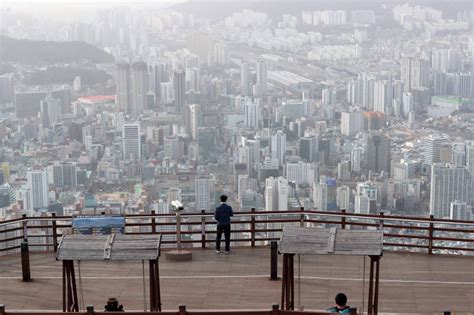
column 341, row 305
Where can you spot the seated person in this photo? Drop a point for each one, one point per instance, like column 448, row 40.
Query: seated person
column 341, row 307
column 113, row 306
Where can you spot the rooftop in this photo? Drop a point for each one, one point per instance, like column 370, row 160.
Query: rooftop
column 410, row 283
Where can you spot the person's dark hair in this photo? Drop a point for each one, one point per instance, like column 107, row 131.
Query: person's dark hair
column 223, row 198
column 341, row 299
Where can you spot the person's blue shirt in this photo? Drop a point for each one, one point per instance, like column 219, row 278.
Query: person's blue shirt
column 340, row 310
column 223, row 214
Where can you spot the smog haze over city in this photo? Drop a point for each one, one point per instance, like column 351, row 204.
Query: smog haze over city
column 357, row 108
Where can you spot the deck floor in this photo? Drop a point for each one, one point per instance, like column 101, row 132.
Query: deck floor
column 410, row 283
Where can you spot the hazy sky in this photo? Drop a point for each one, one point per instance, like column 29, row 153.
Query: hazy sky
column 67, row 10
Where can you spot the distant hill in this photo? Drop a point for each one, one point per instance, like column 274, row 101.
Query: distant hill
column 33, row 52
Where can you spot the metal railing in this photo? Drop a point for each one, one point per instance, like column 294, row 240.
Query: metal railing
column 253, row 228
column 182, row 311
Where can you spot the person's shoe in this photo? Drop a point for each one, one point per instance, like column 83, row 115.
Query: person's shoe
column 218, row 251
column 227, row 252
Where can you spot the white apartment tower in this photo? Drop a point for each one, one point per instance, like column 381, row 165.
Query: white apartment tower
column 131, row 141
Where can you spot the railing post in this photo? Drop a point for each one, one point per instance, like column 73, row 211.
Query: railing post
column 90, row 310
column 302, row 217
column 343, row 219
column 381, row 220
column 153, row 222
column 275, row 309
column 203, row 229
column 182, row 310
column 25, row 227
column 273, row 260
column 2, row 309
column 25, row 262
column 55, row 231
column 431, row 233
column 252, row 228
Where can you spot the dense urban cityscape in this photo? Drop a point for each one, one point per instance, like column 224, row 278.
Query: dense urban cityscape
column 253, row 157
column 324, row 107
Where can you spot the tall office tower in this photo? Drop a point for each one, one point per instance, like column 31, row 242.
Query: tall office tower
column 245, row 78
column 460, row 211
column 139, row 87
column 352, row 123
column 37, row 181
column 378, row 152
column 459, row 154
column 344, row 170
column 459, row 84
column 261, row 86
column 204, row 192
column 193, row 79
column 131, row 141
column 301, row 173
column 173, row 147
column 415, row 73
column 278, row 146
column 343, row 197
column 449, row 183
column 406, row 71
column 254, row 156
column 7, row 92
column 356, row 160
column 383, row 96
column 421, row 73
column 158, row 73
column 308, row 148
column 407, row 104
column 328, row 97
column 320, row 196
column 123, row 99
column 360, row 91
column 365, row 200
column 252, row 114
column 242, row 185
column 221, row 54
column 276, row 194
column 64, row 174
column 440, row 83
column 432, row 148
column 324, row 194
column 470, row 165
column 192, row 117
column 50, row 111
column 179, row 86
column 207, row 142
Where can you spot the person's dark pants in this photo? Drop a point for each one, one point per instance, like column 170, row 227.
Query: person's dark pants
column 224, row 228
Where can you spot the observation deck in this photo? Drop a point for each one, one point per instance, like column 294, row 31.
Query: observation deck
column 427, row 269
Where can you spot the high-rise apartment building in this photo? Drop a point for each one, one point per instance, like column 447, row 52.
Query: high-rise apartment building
column 278, row 146
column 179, row 87
column 245, row 78
column 276, row 194
column 37, row 183
column 378, row 152
column 131, row 141
column 204, row 190
column 449, row 183
column 123, row 99
column 139, row 87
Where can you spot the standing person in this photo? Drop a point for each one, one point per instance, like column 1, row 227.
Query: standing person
column 222, row 216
